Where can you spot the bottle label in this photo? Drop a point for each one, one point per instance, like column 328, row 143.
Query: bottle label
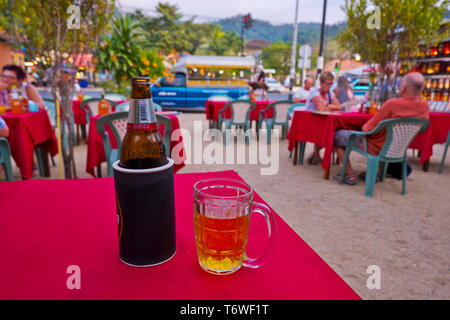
column 141, row 111
column 141, row 126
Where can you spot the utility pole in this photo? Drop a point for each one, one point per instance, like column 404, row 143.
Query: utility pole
column 293, row 53
column 322, row 31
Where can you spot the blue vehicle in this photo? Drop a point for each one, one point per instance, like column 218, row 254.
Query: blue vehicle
column 196, row 78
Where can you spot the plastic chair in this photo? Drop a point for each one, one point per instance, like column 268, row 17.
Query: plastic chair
column 445, row 152
column 240, row 116
column 90, row 107
column 5, row 159
column 117, row 121
column 157, row 107
column 161, row 119
column 115, row 97
column 399, row 134
column 124, row 106
column 280, row 117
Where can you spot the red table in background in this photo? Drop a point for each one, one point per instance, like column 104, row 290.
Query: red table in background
column 319, row 129
column 28, row 131
column 213, row 107
column 73, row 222
column 96, row 150
column 436, row 133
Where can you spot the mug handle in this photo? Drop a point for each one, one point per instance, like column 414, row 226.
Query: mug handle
column 272, row 230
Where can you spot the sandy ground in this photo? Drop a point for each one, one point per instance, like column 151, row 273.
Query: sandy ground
column 407, row 237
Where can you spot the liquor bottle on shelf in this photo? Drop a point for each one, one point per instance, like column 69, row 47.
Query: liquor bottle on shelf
column 447, row 48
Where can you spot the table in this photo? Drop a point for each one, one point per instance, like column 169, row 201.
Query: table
column 41, row 237
column 213, row 107
column 436, row 133
column 27, row 132
column 320, row 129
column 96, row 150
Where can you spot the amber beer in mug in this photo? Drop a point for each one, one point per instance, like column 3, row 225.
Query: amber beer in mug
column 222, row 210
column 142, row 146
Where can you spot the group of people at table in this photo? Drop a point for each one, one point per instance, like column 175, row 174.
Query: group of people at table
column 409, row 104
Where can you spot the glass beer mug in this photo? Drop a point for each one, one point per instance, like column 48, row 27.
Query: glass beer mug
column 222, row 210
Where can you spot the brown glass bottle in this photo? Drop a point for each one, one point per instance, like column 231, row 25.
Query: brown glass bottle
column 142, row 146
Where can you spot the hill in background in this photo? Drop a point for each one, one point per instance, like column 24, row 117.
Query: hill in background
column 307, row 32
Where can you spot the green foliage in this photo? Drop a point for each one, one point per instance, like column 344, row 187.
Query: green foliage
column 122, row 54
column 307, row 32
column 277, row 56
column 167, row 32
column 403, row 25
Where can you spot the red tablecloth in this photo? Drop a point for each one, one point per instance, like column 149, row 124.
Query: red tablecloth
column 41, row 237
column 80, row 115
column 96, row 150
column 320, row 129
column 27, row 131
column 436, row 133
column 213, row 107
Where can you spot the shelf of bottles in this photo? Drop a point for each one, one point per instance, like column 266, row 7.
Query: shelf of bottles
column 434, row 64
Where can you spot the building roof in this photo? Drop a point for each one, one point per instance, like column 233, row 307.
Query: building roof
column 257, row 44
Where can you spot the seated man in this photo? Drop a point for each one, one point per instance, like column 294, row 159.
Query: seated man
column 410, row 104
column 302, row 93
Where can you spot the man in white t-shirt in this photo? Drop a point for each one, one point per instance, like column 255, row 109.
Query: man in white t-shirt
column 302, row 94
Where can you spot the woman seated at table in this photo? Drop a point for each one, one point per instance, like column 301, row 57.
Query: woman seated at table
column 344, row 93
column 13, row 75
column 322, row 99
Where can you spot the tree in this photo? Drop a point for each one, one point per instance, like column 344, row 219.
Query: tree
column 120, row 52
column 403, row 25
column 277, row 56
column 45, row 27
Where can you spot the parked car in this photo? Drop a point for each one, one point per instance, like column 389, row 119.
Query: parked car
column 274, row 85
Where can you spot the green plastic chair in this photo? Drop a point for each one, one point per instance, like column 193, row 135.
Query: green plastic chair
column 445, row 152
column 240, row 116
column 90, row 107
column 118, row 123
column 5, row 159
column 115, row 96
column 124, row 106
column 157, row 107
column 280, row 117
column 399, row 134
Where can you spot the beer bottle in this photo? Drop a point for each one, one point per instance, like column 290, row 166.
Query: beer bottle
column 142, row 146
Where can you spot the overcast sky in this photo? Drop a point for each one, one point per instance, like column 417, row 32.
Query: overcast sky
column 274, row 11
